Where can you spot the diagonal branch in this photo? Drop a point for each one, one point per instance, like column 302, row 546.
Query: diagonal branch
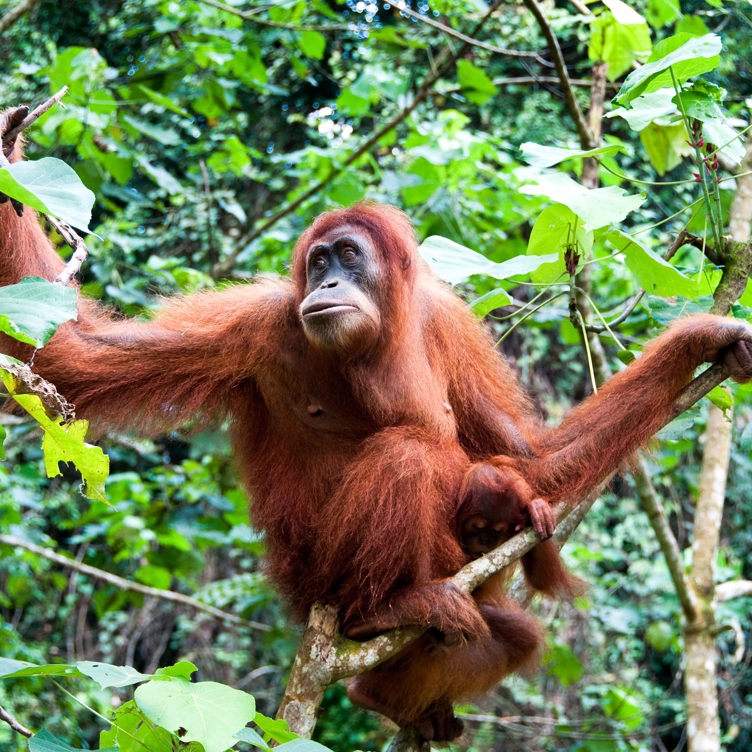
column 445, row 61
column 123, row 584
column 560, row 65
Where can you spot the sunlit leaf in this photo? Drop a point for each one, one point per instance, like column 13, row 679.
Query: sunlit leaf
column 64, row 442
column 51, row 187
column 596, row 207
column 538, row 155
column 206, row 712
column 454, row 262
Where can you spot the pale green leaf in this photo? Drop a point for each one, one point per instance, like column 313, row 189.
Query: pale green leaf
column 596, row 207
column 623, row 13
column 11, row 669
column 538, row 155
column 32, row 310
column 107, row 675
column 454, row 262
column 656, row 105
column 205, row 712
column 51, row 187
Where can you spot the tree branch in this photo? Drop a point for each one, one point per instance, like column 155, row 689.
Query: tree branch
column 15, row 13
column 728, row 591
column 14, row 724
column 35, row 114
column 586, row 138
column 446, row 60
column 123, row 584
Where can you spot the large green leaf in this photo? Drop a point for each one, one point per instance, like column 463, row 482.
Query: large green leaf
column 653, row 274
column 51, row 187
column 596, row 207
column 454, row 262
column 32, row 310
column 695, row 56
column 205, row 712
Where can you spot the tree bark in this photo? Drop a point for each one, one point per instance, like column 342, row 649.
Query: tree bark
column 701, row 674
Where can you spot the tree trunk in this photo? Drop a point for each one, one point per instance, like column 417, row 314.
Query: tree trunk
column 700, row 677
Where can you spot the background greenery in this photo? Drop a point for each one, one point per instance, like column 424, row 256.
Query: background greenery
column 210, row 141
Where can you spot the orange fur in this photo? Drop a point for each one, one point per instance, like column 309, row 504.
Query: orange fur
column 354, row 465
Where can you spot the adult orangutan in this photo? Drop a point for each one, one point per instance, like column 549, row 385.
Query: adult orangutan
column 377, row 432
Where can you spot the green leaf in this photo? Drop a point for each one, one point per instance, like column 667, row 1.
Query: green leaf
column 619, row 704
column 490, row 301
column 64, row 442
column 662, row 12
column 654, row 274
column 312, row 44
column 619, row 44
column 51, row 187
column 32, row 310
column 476, row 85
column 538, row 155
column 276, row 728
column 454, row 262
column 557, row 229
column 665, row 145
column 10, row 669
column 721, row 398
column 250, row 736
column 562, row 663
column 596, row 207
column 181, row 670
column 695, row 56
column 107, row 675
column 700, row 103
column 205, row 712
column 154, row 576
column 131, row 731
column 44, row 741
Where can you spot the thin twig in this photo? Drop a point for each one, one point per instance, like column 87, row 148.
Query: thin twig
column 123, row 584
column 35, row 114
column 561, row 69
column 14, row 724
column 80, row 251
column 449, row 31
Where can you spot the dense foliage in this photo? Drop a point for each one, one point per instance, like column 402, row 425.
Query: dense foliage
column 210, row 135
